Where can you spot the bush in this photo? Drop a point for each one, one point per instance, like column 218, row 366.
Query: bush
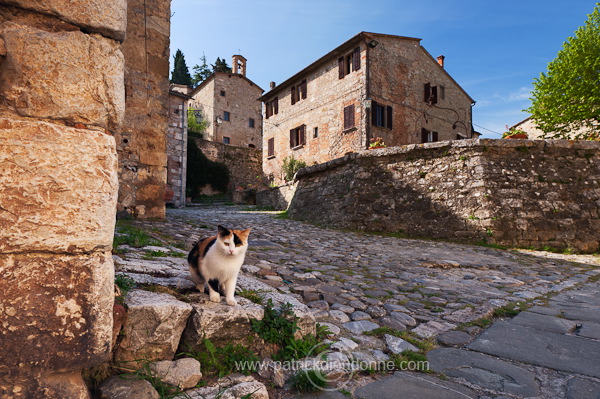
column 202, row 171
column 291, row 166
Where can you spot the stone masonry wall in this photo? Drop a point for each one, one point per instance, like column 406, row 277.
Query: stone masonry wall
column 62, row 100
column 244, row 163
column 142, row 142
column 177, row 148
column 510, row 192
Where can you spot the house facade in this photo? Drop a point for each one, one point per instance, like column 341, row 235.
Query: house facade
column 229, row 103
column 533, row 132
column 177, row 146
column 372, row 86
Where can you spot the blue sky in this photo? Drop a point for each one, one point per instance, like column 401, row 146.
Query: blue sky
column 494, row 49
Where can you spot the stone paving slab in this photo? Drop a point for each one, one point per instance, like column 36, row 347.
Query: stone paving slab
column 542, row 348
column 413, row 386
column 543, row 322
column 579, row 388
column 488, row 372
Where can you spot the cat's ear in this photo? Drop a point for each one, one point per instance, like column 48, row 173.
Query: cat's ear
column 223, row 232
column 244, row 234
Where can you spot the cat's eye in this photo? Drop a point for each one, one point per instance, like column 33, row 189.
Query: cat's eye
column 226, row 244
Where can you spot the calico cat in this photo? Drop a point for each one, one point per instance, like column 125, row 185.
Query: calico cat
column 217, row 261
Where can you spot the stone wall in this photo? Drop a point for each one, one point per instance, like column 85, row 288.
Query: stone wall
column 177, row 148
column 510, row 192
column 244, row 163
column 61, row 84
column 142, row 142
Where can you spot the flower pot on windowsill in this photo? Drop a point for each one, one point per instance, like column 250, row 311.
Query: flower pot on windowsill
column 522, row 136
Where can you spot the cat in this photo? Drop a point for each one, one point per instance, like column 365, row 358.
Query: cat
column 217, row 261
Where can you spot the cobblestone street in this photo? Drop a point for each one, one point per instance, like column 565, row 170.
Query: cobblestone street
column 355, row 282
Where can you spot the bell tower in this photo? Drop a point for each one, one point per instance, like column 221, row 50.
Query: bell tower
column 238, row 63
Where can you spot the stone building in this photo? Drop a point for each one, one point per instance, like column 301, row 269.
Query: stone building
column 371, row 86
column 63, row 101
column 229, row 102
column 529, row 126
column 142, row 143
column 177, row 146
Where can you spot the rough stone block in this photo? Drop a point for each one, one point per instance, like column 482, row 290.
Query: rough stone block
column 107, row 17
column 58, row 188
column 219, row 322
column 121, row 388
column 59, row 306
column 154, row 326
column 80, row 80
column 184, row 373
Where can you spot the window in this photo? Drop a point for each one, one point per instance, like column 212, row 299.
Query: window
column 381, row 115
column 430, row 94
column 315, row 132
column 272, row 107
column 176, row 111
column 299, row 92
column 428, row 137
column 271, row 147
column 226, row 116
column 251, row 122
column 349, row 63
column 298, row 136
column 226, row 140
column 349, row 117
column 222, row 93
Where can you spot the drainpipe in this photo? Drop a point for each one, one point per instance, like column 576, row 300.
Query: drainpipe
column 368, row 98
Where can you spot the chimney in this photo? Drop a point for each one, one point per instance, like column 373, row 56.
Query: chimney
column 440, row 60
column 238, row 63
column 272, row 85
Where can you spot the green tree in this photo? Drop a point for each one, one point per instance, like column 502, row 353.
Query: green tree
column 567, row 96
column 196, row 124
column 201, row 72
column 180, row 74
column 220, row 65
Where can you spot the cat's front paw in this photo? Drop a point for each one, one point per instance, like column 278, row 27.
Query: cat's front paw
column 231, row 301
column 215, row 297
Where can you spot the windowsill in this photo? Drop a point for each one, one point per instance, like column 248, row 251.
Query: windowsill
column 297, row 147
column 351, row 129
column 271, row 157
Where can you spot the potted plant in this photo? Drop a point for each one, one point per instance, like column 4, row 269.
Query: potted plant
column 376, row 142
column 515, row 134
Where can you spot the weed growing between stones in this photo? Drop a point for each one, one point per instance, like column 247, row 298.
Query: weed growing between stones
column 166, row 391
column 222, row 361
column 416, row 359
column 308, row 380
column 127, row 234
column 125, row 284
column 282, row 215
column 251, row 295
column 160, row 254
column 278, row 327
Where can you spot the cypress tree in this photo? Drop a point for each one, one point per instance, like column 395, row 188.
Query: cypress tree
column 180, row 74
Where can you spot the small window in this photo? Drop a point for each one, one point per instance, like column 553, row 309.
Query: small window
column 251, row 122
column 226, row 116
column 316, row 132
column 382, row 116
column 176, row 111
column 271, row 147
column 222, row 93
column 298, row 136
column 349, row 63
column 299, row 92
column 349, row 117
column 226, row 140
column 272, row 107
column 430, row 94
column 428, row 136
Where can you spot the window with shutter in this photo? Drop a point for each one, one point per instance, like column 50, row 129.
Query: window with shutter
column 426, row 92
column 434, row 136
column 356, row 59
column 293, row 95
column 341, row 73
column 378, row 117
column 302, row 135
column 268, row 109
column 433, row 98
column 349, row 117
column 276, row 105
column 303, row 87
column 424, row 135
column 389, row 121
column 271, row 147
